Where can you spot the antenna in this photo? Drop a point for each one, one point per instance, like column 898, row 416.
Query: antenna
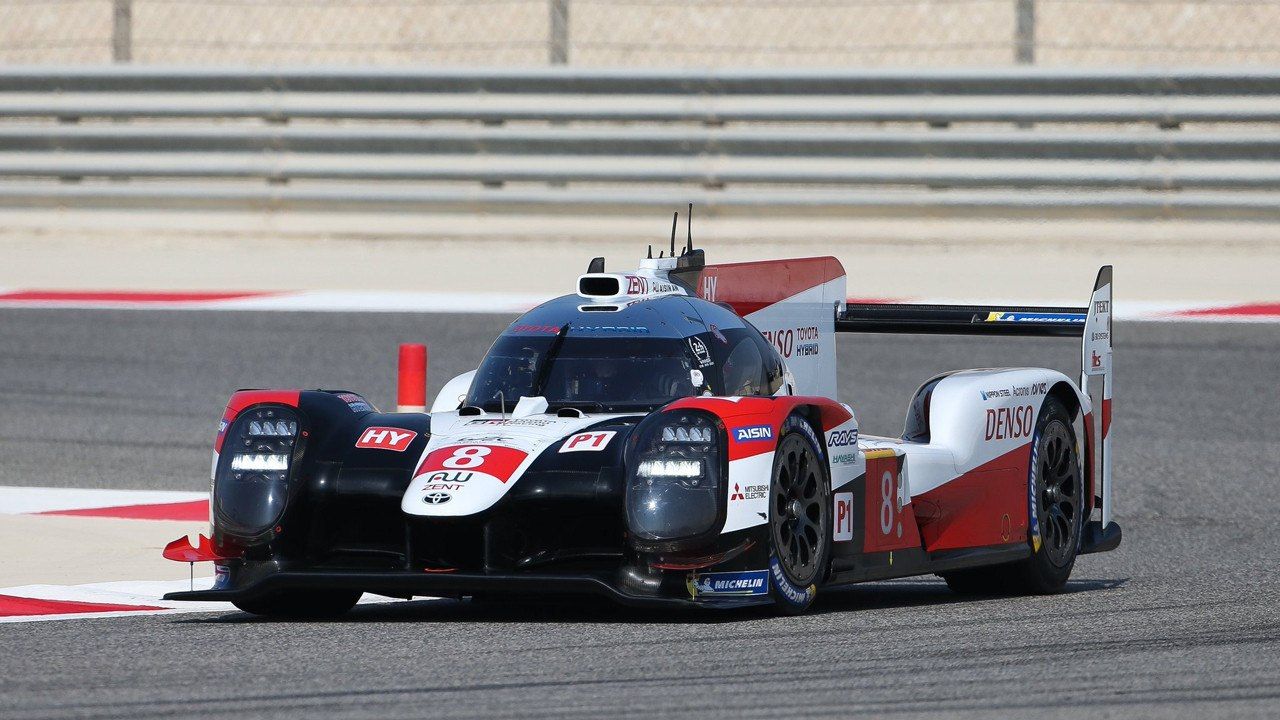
column 689, row 228
column 502, row 398
column 650, row 255
column 675, row 218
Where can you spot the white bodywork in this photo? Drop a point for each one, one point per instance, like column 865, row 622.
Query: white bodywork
column 484, row 455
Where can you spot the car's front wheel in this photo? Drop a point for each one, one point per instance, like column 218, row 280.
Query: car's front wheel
column 800, row 518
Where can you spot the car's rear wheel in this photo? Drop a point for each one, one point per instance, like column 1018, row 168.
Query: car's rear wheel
column 799, row 518
column 301, row 604
column 1055, row 486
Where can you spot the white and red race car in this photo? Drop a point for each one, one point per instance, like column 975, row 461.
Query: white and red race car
column 672, row 435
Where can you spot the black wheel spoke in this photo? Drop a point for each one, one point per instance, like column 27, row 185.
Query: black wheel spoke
column 1058, row 490
column 800, row 509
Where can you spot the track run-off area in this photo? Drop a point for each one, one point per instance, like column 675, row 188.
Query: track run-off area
column 1182, row 621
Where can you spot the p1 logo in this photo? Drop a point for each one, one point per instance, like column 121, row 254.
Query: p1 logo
column 588, row 441
column 843, row 517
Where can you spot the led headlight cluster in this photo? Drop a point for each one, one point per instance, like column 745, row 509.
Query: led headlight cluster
column 252, row 482
column 674, row 483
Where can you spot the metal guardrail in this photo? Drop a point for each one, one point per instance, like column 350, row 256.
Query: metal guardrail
column 1122, row 143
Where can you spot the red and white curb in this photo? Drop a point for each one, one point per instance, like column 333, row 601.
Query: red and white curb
column 129, row 598
column 34, row 603
column 126, row 504
column 442, row 302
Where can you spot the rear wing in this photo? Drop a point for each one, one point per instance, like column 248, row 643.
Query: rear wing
column 1092, row 324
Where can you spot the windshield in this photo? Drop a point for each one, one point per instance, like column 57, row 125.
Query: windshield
column 613, row 373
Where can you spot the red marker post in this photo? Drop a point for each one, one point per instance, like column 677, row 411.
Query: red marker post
column 411, row 395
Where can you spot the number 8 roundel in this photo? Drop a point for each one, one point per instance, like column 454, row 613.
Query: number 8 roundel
column 493, row 460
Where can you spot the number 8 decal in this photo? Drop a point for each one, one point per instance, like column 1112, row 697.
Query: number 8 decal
column 887, row 491
column 465, row 457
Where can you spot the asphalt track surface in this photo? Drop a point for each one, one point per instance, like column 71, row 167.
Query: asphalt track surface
column 1182, row 621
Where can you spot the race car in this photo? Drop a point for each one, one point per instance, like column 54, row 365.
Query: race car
column 671, row 436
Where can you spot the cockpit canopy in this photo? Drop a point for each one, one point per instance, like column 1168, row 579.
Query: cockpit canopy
column 625, row 358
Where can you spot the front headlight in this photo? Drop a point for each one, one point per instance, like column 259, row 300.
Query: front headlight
column 673, row 483
column 251, row 486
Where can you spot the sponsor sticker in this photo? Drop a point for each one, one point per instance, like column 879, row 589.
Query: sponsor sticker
column 355, row 402
column 436, row 497
column 789, row 591
column 386, row 438
column 748, row 492
column 753, row 433
column 842, row 438
column 843, row 517
column 1010, row 423
column 533, row 422
column 588, row 441
column 495, row 461
column 700, row 351
column 1017, row 317
column 748, row 582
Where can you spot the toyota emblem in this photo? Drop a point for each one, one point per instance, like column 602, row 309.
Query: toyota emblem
column 437, row 498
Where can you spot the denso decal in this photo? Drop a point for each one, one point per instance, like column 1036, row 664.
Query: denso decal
column 753, row 433
column 750, row 582
column 493, row 460
column 386, row 438
column 842, row 438
column 1008, row 423
column 843, row 517
column 588, row 441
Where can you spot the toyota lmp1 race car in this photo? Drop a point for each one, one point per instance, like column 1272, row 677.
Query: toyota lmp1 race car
column 670, row 436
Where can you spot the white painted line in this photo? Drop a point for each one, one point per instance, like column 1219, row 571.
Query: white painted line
column 513, row 303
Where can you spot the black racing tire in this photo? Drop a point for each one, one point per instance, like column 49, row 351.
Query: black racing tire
column 799, row 518
column 1055, row 509
column 301, row 604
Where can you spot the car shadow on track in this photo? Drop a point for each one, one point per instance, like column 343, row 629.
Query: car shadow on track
column 870, row 596
column 921, row 592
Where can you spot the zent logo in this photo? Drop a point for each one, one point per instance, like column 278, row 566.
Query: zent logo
column 588, row 442
column 843, row 517
column 753, row 433
column 385, row 438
